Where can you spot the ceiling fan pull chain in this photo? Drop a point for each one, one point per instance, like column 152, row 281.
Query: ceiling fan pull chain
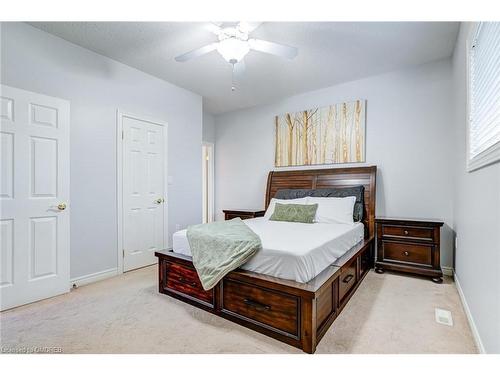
column 233, row 86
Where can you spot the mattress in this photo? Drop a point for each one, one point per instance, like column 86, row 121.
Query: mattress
column 292, row 251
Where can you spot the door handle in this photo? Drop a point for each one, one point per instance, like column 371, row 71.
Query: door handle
column 61, row 206
column 160, row 200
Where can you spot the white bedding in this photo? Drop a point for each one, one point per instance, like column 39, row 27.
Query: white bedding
column 293, row 251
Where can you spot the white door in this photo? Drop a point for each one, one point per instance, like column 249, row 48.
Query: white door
column 144, row 201
column 34, row 197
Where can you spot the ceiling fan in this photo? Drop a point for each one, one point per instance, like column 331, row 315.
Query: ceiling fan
column 234, row 43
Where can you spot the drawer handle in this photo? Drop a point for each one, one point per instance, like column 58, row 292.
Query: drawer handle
column 256, row 305
column 406, row 253
column 406, row 232
column 347, row 278
column 184, row 281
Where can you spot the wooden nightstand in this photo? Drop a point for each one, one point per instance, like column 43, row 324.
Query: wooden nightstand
column 409, row 245
column 243, row 214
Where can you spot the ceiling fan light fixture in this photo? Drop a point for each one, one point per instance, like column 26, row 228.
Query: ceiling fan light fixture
column 233, row 49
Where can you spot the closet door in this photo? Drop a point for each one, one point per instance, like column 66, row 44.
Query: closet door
column 144, row 194
column 34, row 197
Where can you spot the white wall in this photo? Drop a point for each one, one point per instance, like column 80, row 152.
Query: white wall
column 208, row 127
column 476, row 220
column 96, row 86
column 409, row 138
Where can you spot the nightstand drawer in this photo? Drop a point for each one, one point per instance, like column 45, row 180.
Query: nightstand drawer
column 407, row 252
column 407, row 232
column 241, row 216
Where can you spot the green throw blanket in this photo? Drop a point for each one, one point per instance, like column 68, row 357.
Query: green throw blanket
column 218, row 248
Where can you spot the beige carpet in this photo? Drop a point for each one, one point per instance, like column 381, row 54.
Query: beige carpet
column 388, row 314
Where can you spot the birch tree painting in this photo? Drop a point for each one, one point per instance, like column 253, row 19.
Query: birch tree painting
column 326, row 135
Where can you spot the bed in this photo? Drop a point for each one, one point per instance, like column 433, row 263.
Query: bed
column 295, row 287
column 292, row 251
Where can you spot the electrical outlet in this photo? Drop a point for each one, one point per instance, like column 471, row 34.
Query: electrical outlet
column 177, row 227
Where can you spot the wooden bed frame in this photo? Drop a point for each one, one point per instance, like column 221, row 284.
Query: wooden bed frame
column 298, row 314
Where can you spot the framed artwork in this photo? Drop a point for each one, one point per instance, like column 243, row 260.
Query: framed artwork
column 327, row 135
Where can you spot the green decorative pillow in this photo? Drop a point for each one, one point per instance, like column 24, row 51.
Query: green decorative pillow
column 298, row 213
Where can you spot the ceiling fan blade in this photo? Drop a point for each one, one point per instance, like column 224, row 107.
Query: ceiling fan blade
column 196, row 53
column 273, row 48
column 214, row 27
column 248, row 27
column 239, row 68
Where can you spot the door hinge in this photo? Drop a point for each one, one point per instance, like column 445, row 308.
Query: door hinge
column 123, row 136
column 123, row 253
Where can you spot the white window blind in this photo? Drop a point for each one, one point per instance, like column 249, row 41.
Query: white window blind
column 484, row 94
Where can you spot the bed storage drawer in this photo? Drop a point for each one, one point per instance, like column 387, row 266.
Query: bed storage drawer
column 408, row 252
column 264, row 307
column 365, row 261
column 347, row 280
column 184, row 280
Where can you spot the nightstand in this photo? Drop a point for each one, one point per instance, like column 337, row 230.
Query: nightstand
column 409, row 245
column 243, row 214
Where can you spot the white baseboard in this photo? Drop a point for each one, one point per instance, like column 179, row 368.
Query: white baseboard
column 472, row 324
column 447, row 271
column 93, row 277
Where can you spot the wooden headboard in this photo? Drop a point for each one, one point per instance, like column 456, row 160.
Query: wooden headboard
column 328, row 178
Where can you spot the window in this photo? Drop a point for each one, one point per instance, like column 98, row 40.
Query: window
column 484, row 94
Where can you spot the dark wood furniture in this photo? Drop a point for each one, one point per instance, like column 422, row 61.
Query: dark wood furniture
column 409, row 245
column 298, row 314
column 243, row 214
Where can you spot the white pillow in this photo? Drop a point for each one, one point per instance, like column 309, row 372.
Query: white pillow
column 333, row 210
column 272, row 204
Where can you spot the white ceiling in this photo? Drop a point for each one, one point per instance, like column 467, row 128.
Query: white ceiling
column 329, row 53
